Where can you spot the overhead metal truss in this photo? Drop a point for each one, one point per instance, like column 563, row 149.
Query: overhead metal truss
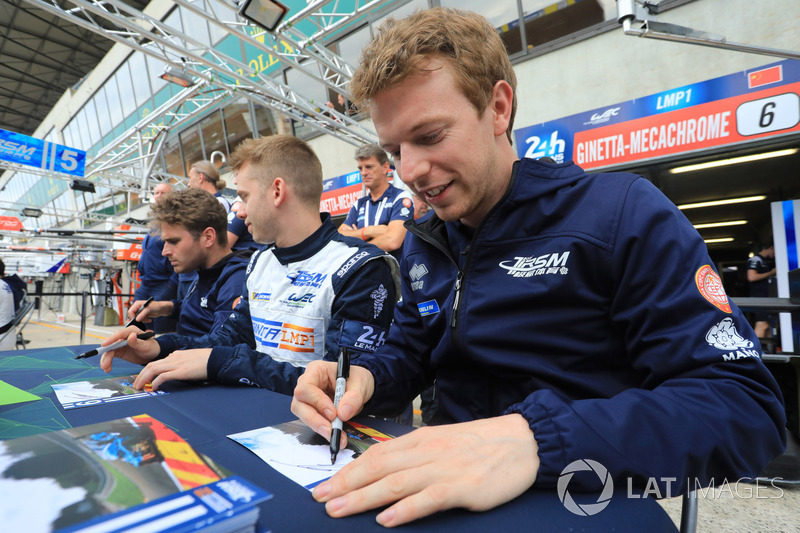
column 137, row 149
column 642, row 12
column 155, row 38
column 128, row 161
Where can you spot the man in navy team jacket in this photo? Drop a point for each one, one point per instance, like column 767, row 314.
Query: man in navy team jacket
column 564, row 316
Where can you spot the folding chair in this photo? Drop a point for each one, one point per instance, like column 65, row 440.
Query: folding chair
column 21, row 318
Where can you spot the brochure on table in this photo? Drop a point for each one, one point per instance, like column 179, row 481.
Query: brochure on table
column 129, row 473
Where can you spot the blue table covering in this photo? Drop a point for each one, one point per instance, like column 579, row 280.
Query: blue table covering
column 205, row 414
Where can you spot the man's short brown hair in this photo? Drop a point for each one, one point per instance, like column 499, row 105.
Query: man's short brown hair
column 282, row 156
column 366, row 151
column 195, row 210
column 471, row 46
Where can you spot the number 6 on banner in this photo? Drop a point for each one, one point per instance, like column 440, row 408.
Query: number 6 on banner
column 774, row 113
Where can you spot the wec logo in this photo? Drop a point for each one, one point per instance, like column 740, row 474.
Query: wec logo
column 605, row 116
column 526, row 267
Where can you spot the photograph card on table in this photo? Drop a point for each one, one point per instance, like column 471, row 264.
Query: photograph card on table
column 99, row 391
column 297, row 452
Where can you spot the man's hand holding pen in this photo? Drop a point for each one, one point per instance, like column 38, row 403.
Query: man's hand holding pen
column 143, row 311
column 474, row 465
column 137, row 350
column 313, row 397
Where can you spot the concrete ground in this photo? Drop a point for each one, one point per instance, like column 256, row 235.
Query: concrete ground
column 732, row 507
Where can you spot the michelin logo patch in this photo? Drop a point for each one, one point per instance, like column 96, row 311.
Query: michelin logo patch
column 361, row 337
column 428, row 308
column 526, row 267
column 724, row 336
column 378, row 297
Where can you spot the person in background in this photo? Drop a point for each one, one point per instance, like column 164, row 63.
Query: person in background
column 155, row 272
column 205, row 175
column 15, row 283
column 761, row 275
column 193, row 226
column 7, row 311
column 563, row 315
column 379, row 216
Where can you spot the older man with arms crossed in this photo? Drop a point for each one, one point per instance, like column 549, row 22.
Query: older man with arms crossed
column 565, row 316
column 379, row 216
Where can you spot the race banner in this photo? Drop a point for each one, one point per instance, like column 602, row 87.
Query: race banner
column 341, row 192
column 738, row 108
column 32, row 152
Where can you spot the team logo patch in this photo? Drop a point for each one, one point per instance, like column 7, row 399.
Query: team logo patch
column 415, row 273
column 307, row 279
column 710, row 287
column 725, row 337
column 236, row 302
column 526, row 267
column 407, row 202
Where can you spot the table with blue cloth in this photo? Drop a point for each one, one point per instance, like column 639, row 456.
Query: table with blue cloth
column 204, row 415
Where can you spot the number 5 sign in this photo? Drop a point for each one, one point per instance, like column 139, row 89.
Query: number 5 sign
column 24, row 150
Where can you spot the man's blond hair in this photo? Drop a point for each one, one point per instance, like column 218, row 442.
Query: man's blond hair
column 471, row 46
column 286, row 157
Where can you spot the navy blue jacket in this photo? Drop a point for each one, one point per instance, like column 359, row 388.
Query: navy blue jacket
column 211, row 297
column 587, row 304
column 352, row 315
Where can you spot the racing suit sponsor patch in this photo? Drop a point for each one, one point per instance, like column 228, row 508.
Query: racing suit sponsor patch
column 428, row 308
column 710, row 287
column 378, row 297
column 725, row 337
column 360, row 336
column 283, row 335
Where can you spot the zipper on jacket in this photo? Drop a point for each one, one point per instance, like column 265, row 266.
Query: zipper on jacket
column 456, row 299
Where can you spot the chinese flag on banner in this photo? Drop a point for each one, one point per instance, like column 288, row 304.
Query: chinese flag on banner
column 763, row 77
